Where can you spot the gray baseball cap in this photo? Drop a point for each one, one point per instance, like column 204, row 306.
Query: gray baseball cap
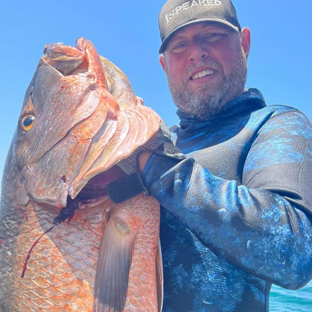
column 176, row 14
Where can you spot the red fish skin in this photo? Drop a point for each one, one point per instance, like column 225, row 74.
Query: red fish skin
column 61, row 269
column 142, row 295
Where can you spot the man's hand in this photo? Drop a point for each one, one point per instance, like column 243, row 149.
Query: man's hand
column 143, row 158
column 132, row 184
column 159, row 143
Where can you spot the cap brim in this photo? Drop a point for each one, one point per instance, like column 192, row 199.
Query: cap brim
column 165, row 41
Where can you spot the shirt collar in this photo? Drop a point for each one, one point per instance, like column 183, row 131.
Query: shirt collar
column 251, row 100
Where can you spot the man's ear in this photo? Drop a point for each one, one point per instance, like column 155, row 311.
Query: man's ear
column 162, row 62
column 246, row 40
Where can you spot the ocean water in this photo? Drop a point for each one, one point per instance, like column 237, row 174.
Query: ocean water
column 282, row 300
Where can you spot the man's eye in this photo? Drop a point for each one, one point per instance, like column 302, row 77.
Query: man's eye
column 213, row 37
column 179, row 47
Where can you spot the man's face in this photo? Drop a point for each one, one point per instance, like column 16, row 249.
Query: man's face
column 206, row 67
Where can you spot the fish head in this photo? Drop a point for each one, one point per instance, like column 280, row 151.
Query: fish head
column 79, row 118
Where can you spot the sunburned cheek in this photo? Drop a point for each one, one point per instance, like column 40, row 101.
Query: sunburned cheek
column 229, row 60
column 226, row 51
column 175, row 65
column 173, row 73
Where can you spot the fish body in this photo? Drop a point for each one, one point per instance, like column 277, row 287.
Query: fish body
column 79, row 118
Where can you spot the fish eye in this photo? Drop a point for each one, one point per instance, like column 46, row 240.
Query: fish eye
column 27, row 122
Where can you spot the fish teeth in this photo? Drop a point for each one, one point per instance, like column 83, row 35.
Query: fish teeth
column 206, row 72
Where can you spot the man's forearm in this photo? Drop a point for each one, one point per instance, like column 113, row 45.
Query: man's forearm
column 254, row 229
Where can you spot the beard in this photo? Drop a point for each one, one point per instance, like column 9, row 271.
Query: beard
column 207, row 102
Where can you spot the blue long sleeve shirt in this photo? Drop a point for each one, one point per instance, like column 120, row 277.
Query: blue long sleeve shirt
column 237, row 211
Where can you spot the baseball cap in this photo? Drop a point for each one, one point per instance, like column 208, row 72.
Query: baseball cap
column 176, row 14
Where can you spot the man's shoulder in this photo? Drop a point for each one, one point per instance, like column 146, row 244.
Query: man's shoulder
column 254, row 95
column 282, row 110
column 279, row 117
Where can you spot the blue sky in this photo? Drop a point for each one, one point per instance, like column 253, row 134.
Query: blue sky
column 126, row 32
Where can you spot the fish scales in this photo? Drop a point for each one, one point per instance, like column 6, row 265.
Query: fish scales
column 69, row 138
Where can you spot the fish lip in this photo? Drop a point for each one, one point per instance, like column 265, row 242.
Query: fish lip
column 200, row 69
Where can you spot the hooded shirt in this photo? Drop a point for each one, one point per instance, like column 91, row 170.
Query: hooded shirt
column 237, row 211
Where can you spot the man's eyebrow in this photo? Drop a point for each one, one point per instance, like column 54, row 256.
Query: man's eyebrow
column 177, row 37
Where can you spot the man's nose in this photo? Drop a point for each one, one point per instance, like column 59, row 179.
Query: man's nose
column 198, row 52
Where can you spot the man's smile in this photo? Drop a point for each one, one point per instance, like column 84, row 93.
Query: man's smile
column 203, row 73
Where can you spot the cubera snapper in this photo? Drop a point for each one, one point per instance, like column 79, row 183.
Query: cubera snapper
column 64, row 246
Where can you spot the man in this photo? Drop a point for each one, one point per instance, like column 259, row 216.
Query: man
column 237, row 210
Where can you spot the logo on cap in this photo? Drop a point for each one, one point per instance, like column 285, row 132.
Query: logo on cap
column 188, row 5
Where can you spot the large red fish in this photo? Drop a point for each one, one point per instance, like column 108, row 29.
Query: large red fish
column 79, row 119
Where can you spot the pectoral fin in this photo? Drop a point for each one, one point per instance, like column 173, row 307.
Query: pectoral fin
column 112, row 275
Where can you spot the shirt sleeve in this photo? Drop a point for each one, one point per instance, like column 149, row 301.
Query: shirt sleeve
column 262, row 226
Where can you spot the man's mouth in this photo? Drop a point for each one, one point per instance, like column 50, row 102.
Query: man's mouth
column 203, row 73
